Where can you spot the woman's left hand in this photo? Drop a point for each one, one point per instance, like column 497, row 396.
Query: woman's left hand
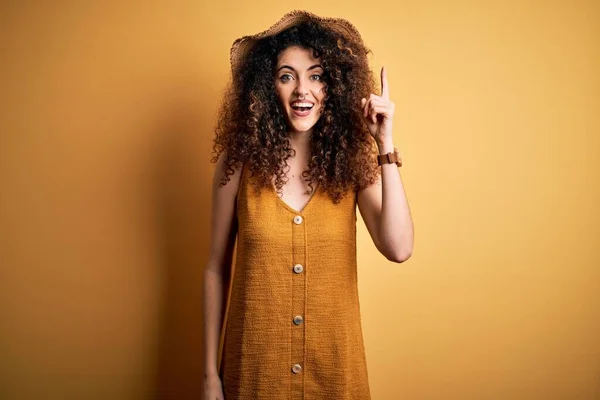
column 379, row 111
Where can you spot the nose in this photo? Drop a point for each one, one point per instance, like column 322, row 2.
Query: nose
column 301, row 88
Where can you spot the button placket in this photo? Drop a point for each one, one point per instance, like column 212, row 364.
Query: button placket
column 298, row 305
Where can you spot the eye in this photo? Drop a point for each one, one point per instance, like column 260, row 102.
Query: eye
column 320, row 78
column 283, row 76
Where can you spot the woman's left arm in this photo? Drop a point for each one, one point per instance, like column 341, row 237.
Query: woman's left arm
column 383, row 205
column 384, row 208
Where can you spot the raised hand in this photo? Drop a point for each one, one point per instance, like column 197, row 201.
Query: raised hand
column 379, row 111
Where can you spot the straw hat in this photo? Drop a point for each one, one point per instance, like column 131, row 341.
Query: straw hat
column 243, row 46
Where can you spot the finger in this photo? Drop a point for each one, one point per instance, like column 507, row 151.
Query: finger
column 374, row 106
column 373, row 115
column 383, row 110
column 373, row 99
column 372, row 112
column 377, row 101
column 385, row 90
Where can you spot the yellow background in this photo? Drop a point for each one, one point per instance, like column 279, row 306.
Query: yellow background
column 106, row 125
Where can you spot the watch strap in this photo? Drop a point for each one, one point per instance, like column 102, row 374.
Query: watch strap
column 389, row 158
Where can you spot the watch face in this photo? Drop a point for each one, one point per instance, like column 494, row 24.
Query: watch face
column 398, row 159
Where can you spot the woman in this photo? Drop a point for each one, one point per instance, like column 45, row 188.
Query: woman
column 298, row 141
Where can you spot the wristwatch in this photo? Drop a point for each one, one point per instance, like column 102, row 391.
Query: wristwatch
column 390, row 158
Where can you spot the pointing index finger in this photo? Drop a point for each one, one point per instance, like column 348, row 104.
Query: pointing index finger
column 385, row 90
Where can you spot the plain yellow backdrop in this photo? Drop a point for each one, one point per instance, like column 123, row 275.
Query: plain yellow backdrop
column 106, row 118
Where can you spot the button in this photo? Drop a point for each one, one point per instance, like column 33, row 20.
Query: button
column 297, row 368
column 298, row 268
column 298, row 319
column 298, row 219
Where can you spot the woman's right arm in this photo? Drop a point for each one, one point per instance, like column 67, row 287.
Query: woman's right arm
column 218, row 269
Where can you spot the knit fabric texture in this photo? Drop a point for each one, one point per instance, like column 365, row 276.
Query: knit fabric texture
column 293, row 328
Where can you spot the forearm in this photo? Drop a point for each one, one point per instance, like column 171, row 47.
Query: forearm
column 396, row 225
column 214, row 301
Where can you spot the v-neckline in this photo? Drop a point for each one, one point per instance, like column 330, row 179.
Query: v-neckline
column 287, row 206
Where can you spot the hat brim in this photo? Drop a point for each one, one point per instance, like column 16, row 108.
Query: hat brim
column 242, row 47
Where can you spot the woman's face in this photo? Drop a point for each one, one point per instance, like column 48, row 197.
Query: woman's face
column 300, row 88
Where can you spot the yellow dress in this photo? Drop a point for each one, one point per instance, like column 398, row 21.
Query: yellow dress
column 293, row 328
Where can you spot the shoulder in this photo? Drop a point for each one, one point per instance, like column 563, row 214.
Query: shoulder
column 226, row 177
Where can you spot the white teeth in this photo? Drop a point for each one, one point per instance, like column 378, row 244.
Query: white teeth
column 302, row 104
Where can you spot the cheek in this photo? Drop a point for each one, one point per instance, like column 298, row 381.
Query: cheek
column 281, row 93
column 322, row 94
column 321, row 98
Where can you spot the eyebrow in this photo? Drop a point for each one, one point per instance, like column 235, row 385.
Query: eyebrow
column 287, row 66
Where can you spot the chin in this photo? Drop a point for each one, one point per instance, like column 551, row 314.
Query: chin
column 301, row 127
column 298, row 125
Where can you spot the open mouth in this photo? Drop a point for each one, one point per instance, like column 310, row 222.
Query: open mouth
column 302, row 109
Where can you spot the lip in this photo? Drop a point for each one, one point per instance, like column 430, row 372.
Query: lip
column 302, row 113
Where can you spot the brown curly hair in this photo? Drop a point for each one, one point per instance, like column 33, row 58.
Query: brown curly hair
column 252, row 129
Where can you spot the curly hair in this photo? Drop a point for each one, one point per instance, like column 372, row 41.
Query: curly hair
column 252, row 129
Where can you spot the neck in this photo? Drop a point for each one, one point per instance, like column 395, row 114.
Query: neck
column 300, row 141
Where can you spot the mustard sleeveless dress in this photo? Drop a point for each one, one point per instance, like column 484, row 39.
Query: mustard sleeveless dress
column 293, row 328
